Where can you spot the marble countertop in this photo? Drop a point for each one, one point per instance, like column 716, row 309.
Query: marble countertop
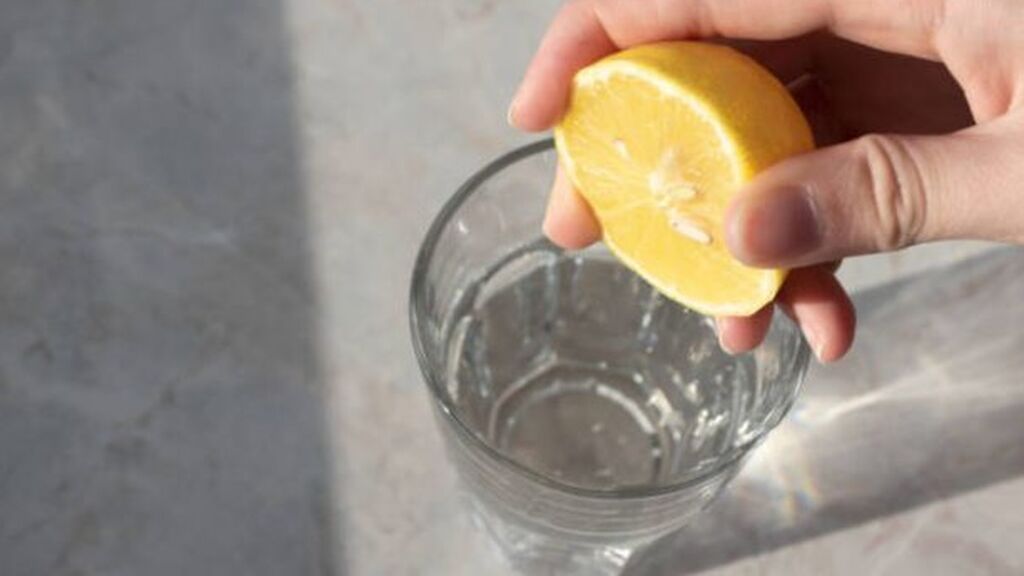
column 209, row 215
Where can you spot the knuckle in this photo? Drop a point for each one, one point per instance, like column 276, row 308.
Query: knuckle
column 896, row 186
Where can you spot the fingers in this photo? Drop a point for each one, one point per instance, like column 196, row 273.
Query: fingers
column 739, row 334
column 881, row 193
column 569, row 222
column 585, row 30
column 815, row 300
column 575, row 38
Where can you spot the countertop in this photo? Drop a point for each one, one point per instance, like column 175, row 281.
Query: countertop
column 209, row 215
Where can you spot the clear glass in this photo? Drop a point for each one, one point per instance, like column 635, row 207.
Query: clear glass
column 586, row 414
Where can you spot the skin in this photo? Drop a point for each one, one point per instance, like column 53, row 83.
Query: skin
column 916, row 108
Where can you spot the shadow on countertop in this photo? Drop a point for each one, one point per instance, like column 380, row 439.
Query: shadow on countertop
column 160, row 397
column 927, row 406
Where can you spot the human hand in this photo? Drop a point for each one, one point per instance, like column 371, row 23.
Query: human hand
column 934, row 175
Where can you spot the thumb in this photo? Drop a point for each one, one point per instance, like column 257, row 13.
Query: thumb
column 881, row 193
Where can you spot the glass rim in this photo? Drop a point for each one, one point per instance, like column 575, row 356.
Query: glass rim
column 424, row 258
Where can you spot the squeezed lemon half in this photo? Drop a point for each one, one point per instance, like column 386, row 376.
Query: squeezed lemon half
column 657, row 139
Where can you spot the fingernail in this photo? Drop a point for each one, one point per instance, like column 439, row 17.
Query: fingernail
column 510, row 116
column 721, row 340
column 774, row 227
column 726, row 348
column 547, row 225
column 819, row 352
column 817, row 344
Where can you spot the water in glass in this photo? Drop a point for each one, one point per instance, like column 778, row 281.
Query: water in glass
column 577, row 369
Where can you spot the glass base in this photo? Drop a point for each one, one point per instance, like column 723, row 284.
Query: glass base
column 533, row 554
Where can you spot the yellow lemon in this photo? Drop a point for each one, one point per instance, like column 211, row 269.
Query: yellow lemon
column 658, row 138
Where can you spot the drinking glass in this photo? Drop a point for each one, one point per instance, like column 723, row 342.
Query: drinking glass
column 586, row 414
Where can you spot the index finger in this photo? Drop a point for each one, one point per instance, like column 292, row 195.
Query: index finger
column 586, row 30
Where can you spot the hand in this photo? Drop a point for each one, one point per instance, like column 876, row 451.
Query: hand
column 947, row 94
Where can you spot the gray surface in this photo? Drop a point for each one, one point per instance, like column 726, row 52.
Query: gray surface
column 160, row 400
column 209, row 214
